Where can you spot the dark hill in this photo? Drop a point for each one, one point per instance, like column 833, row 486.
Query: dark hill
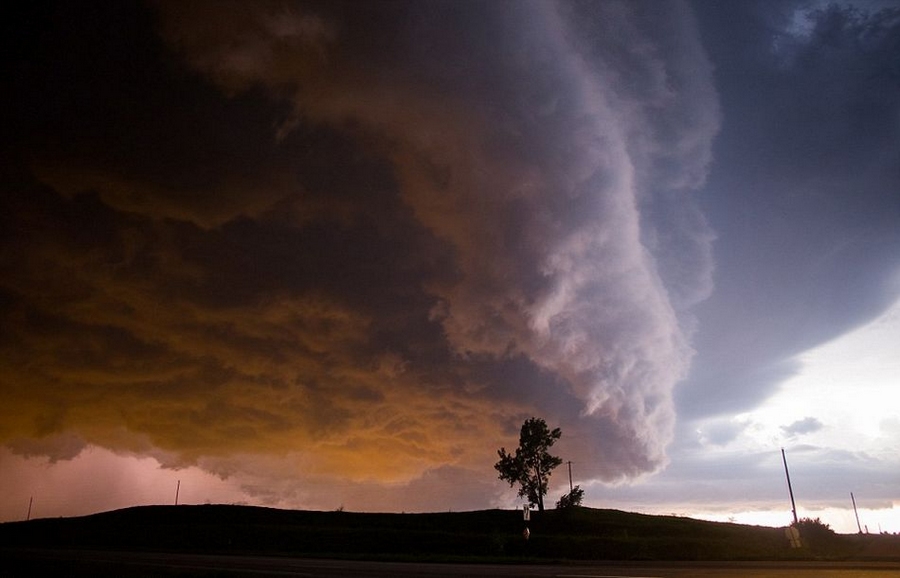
column 581, row 533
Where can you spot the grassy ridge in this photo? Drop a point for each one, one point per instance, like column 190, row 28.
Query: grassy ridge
column 577, row 534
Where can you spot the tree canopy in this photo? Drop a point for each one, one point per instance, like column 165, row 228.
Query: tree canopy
column 530, row 466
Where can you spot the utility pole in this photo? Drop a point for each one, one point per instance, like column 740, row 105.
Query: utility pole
column 30, row 501
column 570, row 476
column 790, row 489
column 177, row 489
column 852, row 499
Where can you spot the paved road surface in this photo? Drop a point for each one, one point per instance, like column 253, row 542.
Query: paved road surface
column 16, row 564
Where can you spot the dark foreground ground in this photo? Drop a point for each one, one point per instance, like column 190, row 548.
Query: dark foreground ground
column 238, row 540
column 75, row 564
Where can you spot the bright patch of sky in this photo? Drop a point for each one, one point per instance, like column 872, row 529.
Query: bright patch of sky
column 844, row 398
column 841, row 520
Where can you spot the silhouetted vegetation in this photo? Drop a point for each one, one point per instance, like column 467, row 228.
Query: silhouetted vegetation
column 532, row 464
column 571, row 500
column 818, row 537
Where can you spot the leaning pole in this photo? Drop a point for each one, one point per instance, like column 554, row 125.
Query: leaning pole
column 852, row 499
column 790, row 489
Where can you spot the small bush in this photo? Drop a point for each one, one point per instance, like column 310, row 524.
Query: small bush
column 571, row 500
column 817, row 536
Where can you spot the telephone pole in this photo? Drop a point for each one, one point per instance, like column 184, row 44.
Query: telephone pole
column 852, row 499
column 790, row 489
column 177, row 489
column 570, row 476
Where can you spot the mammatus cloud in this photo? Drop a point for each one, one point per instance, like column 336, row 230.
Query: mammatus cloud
column 468, row 215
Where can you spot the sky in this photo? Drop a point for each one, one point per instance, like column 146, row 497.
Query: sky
column 328, row 255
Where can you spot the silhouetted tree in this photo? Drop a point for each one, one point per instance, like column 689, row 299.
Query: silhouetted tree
column 817, row 536
column 531, row 465
column 571, row 500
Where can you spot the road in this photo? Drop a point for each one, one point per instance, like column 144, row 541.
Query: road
column 16, row 564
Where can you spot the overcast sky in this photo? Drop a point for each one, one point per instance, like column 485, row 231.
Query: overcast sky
column 320, row 255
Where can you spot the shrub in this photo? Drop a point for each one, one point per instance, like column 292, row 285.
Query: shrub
column 571, row 500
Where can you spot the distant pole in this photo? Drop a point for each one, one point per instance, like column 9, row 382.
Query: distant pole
column 30, row 501
column 570, row 476
column 790, row 489
column 177, row 489
column 852, row 499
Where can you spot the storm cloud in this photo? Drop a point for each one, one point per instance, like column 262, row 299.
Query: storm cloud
column 806, row 189
column 354, row 242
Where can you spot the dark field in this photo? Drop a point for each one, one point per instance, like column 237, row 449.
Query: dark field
column 487, row 537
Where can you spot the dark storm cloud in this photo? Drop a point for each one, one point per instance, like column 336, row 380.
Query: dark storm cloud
column 55, row 448
column 508, row 148
column 98, row 103
column 207, row 341
column 355, row 241
column 804, row 192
